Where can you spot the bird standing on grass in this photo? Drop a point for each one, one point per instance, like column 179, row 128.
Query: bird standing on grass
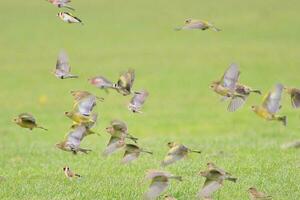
column 69, row 174
column 271, row 105
column 138, row 101
column 61, row 3
column 73, row 140
column 295, row 96
column 119, row 129
column 191, row 24
column 226, row 87
column 63, row 69
column 176, row 153
column 254, row 194
column 69, row 18
column 132, row 152
column 159, row 183
column 27, row 120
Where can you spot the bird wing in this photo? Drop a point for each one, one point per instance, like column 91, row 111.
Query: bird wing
column 209, row 188
column 155, row 189
column 139, row 98
column 62, row 63
column 94, row 118
column 86, row 105
column 272, row 100
column 170, row 159
column 295, row 98
column 102, row 82
column 235, row 103
column 26, row 117
column 178, row 150
column 118, row 125
column 193, row 25
column 76, row 135
column 126, row 79
column 112, row 146
column 129, row 156
column 231, row 77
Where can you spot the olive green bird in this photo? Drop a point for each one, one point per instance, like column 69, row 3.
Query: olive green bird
column 254, row 194
column 159, row 183
column 132, row 152
column 271, row 105
column 191, row 24
column 295, row 96
column 214, row 180
column 176, row 153
column 89, row 126
column 226, row 87
column 26, row 120
column 125, row 82
column 79, row 118
column 119, row 129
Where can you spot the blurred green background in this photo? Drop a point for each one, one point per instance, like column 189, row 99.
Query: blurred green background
column 175, row 67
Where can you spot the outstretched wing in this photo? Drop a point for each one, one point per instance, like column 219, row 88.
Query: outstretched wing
column 155, row 189
column 272, row 100
column 231, row 77
column 139, row 99
column 76, row 135
column 295, row 98
column 208, row 188
column 86, row 105
column 62, row 63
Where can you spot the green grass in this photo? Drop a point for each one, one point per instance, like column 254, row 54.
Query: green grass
column 176, row 68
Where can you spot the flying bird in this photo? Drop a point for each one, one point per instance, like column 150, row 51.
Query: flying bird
column 102, row 83
column 132, row 152
column 73, row 139
column 79, row 118
column 69, row 174
column 159, row 183
column 89, row 125
column 86, row 105
column 119, row 129
column 81, row 94
column 61, row 3
column 176, row 153
column 227, row 176
column 295, row 96
column 69, row 18
column 254, row 194
column 226, row 87
column 191, row 24
column 271, row 105
column 114, row 144
column 63, row 68
column 125, row 82
column 138, row 101
column 27, row 120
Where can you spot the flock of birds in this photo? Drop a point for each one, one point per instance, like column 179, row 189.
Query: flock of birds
column 84, row 119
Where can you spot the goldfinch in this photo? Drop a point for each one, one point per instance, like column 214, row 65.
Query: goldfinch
column 119, row 129
column 176, row 153
column 132, row 152
column 61, row 3
column 138, row 101
column 295, row 96
column 159, row 183
column 254, row 194
column 73, row 139
column 271, row 105
column 191, row 24
column 27, row 120
column 69, row 18
column 63, row 68
column 69, row 174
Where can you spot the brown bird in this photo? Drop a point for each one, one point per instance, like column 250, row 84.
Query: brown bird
column 79, row 95
column 69, row 174
column 192, row 24
column 256, row 195
column 227, row 176
column 159, row 183
column 119, row 129
column 61, row 3
column 138, row 101
column 63, row 68
column 114, row 144
column 214, row 181
column 295, row 96
column 176, row 153
column 73, row 139
column 125, row 82
column 27, row 120
column 132, row 152
column 102, row 83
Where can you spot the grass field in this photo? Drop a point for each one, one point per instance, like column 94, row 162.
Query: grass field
column 176, row 68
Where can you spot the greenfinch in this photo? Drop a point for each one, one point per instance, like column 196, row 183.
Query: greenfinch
column 254, row 194
column 125, row 82
column 132, row 152
column 80, row 95
column 114, row 144
column 227, row 176
column 61, row 3
column 176, row 153
column 213, row 182
column 138, row 101
column 79, row 118
column 295, row 96
column 73, row 139
column 159, row 183
column 271, row 105
column 89, row 126
column 191, row 24
column 69, row 174
column 63, row 69
column 27, row 120
column 69, row 18
column 102, row 83
column 119, row 129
